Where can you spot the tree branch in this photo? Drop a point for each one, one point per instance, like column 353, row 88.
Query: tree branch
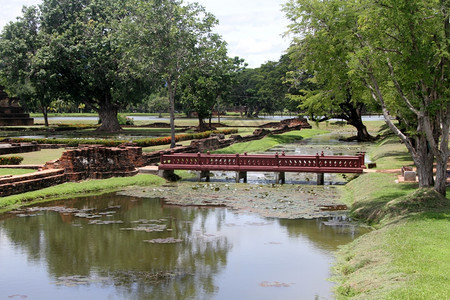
column 400, row 90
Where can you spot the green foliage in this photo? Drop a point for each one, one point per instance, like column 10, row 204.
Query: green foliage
column 10, row 160
column 390, row 51
column 168, row 39
column 123, row 120
column 261, row 89
column 202, row 88
column 324, row 39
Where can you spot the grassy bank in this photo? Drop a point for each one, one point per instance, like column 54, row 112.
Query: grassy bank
column 73, row 189
column 270, row 141
column 406, row 256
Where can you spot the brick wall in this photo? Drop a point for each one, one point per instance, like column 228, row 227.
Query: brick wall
column 12, row 185
column 98, row 162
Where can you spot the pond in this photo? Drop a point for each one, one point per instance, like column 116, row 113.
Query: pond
column 188, row 240
column 121, row 247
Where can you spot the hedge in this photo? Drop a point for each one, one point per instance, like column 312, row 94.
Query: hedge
column 10, row 160
column 139, row 142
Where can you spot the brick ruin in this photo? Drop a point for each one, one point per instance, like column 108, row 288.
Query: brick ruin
column 12, row 185
column 98, row 162
column 11, row 114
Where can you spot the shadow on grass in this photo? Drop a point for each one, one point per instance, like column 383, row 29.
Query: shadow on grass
column 420, row 203
column 399, row 156
column 286, row 138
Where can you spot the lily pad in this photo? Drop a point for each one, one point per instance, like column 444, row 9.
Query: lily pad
column 164, row 241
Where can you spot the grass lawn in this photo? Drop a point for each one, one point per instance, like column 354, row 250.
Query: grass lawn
column 7, row 171
column 390, row 154
column 39, row 157
column 270, row 141
column 407, row 255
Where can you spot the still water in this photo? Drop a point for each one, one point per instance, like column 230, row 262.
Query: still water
column 122, row 247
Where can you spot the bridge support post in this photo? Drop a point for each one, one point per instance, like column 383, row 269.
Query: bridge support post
column 241, row 175
column 204, row 174
column 320, row 179
column 168, row 175
column 280, row 177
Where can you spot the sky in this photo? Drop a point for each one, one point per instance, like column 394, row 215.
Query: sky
column 253, row 29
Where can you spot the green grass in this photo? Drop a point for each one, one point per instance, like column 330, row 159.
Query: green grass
column 40, row 157
column 76, row 188
column 420, row 251
column 406, row 257
column 270, row 141
column 368, row 194
column 389, row 153
column 8, row 171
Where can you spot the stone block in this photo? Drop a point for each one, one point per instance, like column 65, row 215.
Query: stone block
column 409, row 176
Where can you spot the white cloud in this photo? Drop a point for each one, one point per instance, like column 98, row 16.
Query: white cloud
column 253, row 29
column 11, row 9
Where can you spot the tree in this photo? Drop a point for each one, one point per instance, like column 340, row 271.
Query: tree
column 271, row 86
column 321, row 49
column 203, row 87
column 404, row 47
column 399, row 50
column 244, row 92
column 158, row 102
column 84, row 53
column 262, row 89
column 19, row 43
column 168, row 38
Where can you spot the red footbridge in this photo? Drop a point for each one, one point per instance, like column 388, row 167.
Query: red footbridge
column 241, row 164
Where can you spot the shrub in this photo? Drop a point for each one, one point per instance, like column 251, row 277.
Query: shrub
column 68, row 127
column 10, row 160
column 123, row 120
column 140, row 142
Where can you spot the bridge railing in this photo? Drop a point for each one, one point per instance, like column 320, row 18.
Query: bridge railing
column 263, row 162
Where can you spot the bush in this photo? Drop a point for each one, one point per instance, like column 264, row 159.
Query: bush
column 68, row 127
column 10, row 160
column 123, row 120
column 140, row 142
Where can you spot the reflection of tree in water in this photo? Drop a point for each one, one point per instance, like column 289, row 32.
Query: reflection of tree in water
column 184, row 269
column 326, row 237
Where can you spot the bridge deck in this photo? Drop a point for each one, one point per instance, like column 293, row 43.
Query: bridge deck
column 263, row 163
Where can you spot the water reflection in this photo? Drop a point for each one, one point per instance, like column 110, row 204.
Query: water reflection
column 62, row 253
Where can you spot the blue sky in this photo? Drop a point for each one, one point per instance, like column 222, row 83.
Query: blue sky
column 253, row 29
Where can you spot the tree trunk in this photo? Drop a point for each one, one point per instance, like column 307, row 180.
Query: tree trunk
column 201, row 122
column 424, row 162
column 108, row 115
column 45, row 113
column 256, row 112
column 362, row 134
column 352, row 113
column 172, row 112
column 441, row 175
